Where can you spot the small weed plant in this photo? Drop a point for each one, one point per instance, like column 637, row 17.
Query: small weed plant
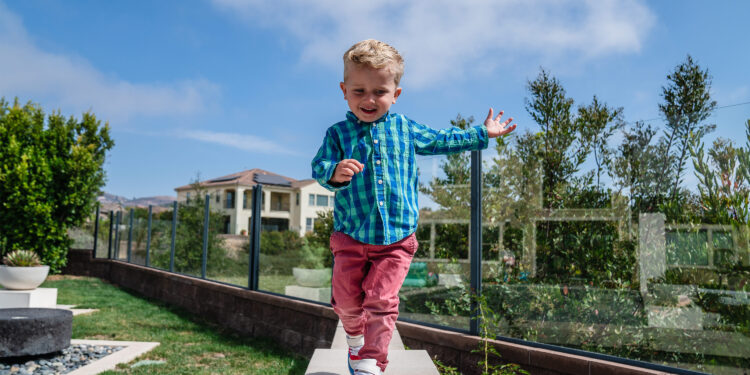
column 487, row 319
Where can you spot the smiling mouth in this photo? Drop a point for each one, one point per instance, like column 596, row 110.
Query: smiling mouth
column 368, row 110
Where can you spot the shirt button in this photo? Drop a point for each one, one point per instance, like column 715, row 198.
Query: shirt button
column 377, row 162
column 380, row 182
column 381, row 203
column 375, row 141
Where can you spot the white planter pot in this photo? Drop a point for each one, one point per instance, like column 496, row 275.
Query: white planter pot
column 312, row 277
column 22, row 278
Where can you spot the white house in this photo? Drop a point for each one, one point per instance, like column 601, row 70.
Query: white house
column 288, row 204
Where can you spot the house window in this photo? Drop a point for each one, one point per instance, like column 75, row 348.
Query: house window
column 244, row 200
column 218, row 196
column 312, row 200
column 322, row 200
column 227, row 224
column 188, row 196
column 230, row 199
column 330, row 201
column 309, row 224
column 297, row 199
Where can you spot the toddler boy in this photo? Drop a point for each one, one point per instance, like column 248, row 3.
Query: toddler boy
column 369, row 160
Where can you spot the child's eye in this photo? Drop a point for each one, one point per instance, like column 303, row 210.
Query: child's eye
column 380, row 92
column 358, row 91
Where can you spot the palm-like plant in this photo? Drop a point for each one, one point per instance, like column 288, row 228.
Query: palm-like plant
column 22, row 258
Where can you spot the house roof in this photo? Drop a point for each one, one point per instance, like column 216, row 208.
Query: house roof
column 248, row 178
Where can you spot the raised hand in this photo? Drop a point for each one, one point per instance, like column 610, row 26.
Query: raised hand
column 346, row 169
column 496, row 128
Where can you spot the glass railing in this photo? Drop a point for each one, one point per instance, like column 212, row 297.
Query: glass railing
column 160, row 246
column 436, row 288
column 627, row 268
column 293, row 264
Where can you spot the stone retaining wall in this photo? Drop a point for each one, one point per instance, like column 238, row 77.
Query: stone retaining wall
column 303, row 326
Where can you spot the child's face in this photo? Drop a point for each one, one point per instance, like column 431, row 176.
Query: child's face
column 369, row 92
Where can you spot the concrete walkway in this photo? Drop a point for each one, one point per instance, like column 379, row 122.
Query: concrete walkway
column 401, row 362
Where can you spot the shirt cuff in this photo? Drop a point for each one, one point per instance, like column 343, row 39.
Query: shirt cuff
column 483, row 140
column 330, row 185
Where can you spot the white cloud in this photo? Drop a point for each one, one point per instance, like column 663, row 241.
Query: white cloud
column 240, row 141
column 72, row 83
column 443, row 39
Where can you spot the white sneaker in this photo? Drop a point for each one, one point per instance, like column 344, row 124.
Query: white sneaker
column 355, row 344
column 367, row 366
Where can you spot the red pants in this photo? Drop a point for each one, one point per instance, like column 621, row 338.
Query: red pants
column 366, row 281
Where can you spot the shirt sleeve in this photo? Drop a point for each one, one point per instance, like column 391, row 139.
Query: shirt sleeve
column 325, row 161
column 428, row 141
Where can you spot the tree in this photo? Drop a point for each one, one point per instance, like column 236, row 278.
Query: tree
column 687, row 104
column 562, row 147
column 723, row 180
column 597, row 123
column 50, row 173
column 189, row 238
column 637, row 167
column 453, row 192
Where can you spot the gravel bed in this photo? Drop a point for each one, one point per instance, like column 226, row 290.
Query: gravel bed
column 62, row 362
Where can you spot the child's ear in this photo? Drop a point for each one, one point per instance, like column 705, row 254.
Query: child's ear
column 343, row 88
column 396, row 94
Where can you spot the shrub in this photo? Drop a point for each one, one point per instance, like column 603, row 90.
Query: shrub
column 50, row 173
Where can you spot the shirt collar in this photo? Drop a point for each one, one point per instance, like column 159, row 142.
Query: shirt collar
column 352, row 117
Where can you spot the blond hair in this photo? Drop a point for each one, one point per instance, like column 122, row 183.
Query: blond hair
column 375, row 54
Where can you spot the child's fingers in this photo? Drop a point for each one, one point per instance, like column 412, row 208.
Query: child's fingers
column 489, row 115
column 499, row 115
column 354, row 164
column 347, row 172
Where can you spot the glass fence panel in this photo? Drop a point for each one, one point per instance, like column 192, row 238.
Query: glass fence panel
column 435, row 289
column 102, row 240
column 229, row 258
column 189, row 239
column 632, row 259
column 120, row 240
column 83, row 235
column 161, row 237
column 139, row 236
column 295, row 258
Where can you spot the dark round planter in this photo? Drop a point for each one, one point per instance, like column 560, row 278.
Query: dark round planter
column 32, row 331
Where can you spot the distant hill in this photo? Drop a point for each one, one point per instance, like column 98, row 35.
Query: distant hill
column 115, row 202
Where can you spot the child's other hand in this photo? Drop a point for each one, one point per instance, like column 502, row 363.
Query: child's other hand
column 346, row 169
column 496, row 128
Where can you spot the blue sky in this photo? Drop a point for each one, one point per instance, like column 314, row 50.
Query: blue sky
column 216, row 87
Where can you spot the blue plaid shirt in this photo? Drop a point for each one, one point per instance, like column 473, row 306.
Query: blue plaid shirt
column 379, row 205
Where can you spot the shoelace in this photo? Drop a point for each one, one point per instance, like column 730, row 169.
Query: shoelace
column 353, row 353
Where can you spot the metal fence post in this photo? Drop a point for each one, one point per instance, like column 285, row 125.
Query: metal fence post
column 109, row 238
column 148, row 237
column 174, row 236
column 96, row 227
column 254, row 267
column 204, row 257
column 130, row 233
column 475, row 238
column 118, row 219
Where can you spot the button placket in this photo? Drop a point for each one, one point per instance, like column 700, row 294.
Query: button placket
column 378, row 172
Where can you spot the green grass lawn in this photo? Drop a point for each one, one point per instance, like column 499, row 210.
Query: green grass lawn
column 189, row 344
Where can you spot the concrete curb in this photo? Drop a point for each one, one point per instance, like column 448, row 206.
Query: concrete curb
column 132, row 350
